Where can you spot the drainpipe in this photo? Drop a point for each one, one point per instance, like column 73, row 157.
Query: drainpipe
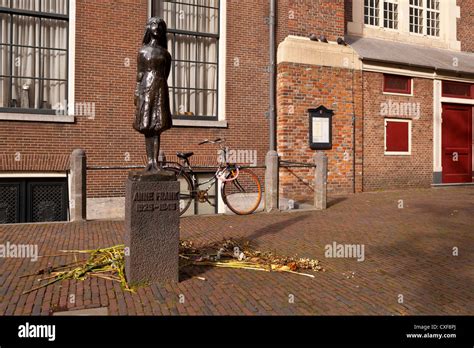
column 272, row 111
column 272, row 160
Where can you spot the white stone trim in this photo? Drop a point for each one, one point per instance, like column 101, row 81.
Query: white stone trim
column 457, row 101
column 412, row 71
column 32, row 175
column 11, row 116
column 222, row 59
column 397, row 153
column 200, row 123
column 449, row 13
column 437, row 126
column 301, row 50
column 72, row 58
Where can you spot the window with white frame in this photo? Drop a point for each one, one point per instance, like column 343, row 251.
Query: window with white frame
column 390, row 14
column 371, row 12
column 397, row 137
column 33, row 55
column 416, row 16
column 193, row 41
column 382, row 13
column 432, row 17
column 425, row 17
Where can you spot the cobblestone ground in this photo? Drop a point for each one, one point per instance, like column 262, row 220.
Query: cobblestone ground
column 408, row 252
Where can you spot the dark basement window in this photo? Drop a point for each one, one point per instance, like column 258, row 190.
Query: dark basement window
column 397, row 84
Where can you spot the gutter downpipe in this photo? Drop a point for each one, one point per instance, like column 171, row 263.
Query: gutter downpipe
column 272, row 160
column 272, row 111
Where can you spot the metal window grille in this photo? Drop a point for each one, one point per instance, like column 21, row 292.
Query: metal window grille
column 9, row 203
column 35, row 200
column 48, row 202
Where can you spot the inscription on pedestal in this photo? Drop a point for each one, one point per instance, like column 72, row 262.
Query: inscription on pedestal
column 152, row 231
column 151, row 201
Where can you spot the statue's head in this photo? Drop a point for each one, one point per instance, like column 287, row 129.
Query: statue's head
column 156, row 29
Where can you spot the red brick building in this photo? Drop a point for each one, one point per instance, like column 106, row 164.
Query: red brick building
column 403, row 66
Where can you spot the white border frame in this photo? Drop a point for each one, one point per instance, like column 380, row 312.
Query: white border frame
column 438, row 101
column 395, row 153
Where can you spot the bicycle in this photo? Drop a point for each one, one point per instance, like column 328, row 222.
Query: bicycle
column 241, row 189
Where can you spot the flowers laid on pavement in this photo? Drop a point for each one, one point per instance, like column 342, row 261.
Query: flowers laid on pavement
column 109, row 263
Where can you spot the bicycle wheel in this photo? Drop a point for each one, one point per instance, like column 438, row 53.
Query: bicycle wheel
column 243, row 193
column 186, row 189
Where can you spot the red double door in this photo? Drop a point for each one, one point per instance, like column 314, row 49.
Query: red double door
column 457, row 143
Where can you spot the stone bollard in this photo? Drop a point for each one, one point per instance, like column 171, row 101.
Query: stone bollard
column 320, row 181
column 271, row 181
column 78, row 200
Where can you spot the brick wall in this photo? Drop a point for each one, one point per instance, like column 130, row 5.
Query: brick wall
column 108, row 35
column 302, row 87
column 393, row 172
column 466, row 25
column 303, row 17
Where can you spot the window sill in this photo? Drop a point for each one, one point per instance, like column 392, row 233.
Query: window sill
column 36, row 118
column 399, row 94
column 403, row 154
column 200, row 124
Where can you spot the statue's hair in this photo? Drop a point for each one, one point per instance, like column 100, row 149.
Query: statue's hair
column 162, row 30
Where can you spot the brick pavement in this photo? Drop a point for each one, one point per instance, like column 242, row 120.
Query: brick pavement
column 408, row 252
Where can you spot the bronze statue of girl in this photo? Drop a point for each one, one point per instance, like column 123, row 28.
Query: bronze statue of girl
column 153, row 114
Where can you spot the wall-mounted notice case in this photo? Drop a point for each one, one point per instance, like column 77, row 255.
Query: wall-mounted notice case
column 320, row 128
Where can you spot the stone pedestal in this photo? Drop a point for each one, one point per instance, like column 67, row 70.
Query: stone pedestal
column 152, row 228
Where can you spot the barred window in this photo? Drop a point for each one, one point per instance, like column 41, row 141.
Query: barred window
column 371, row 12
column 33, row 55
column 390, row 14
column 193, row 41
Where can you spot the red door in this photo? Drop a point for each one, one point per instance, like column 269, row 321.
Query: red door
column 457, row 143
